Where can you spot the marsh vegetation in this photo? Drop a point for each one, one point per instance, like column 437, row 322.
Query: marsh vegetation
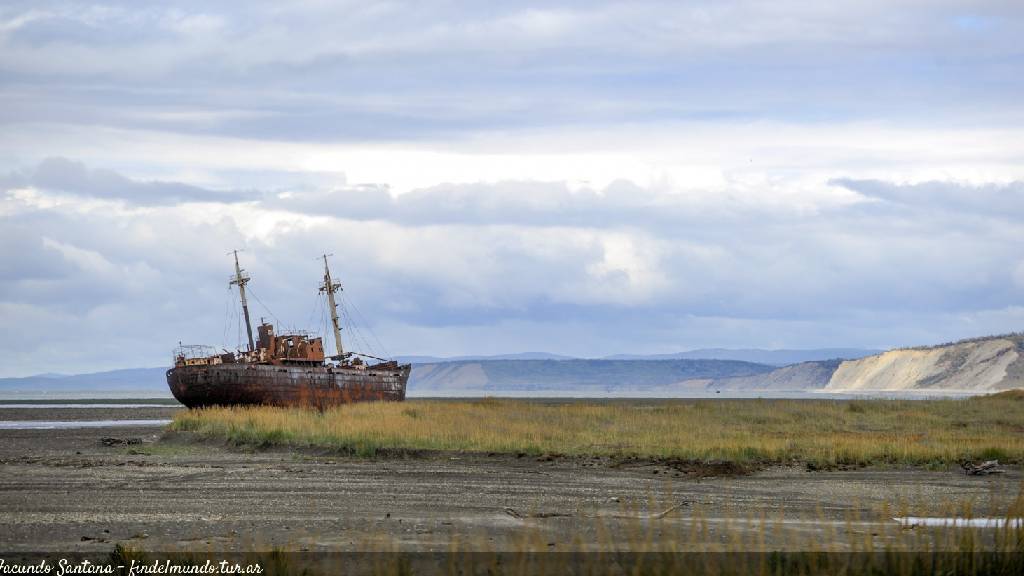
column 817, row 432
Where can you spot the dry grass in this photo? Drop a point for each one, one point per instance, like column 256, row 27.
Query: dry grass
column 819, row 432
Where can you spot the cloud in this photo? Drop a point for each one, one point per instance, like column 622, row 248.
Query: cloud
column 995, row 200
column 385, row 71
column 585, row 178
column 73, row 178
column 487, row 268
column 528, row 203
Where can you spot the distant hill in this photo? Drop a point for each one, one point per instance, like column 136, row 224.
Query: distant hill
column 135, row 380
column 576, row 377
column 806, row 376
column 782, row 357
column 977, row 365
column 758, row 356
column 517, row 356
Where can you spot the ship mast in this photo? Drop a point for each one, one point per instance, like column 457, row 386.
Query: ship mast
column 330, row 287
column 241, row 279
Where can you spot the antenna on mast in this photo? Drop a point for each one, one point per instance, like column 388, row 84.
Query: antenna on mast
column 241, row 279
column 329, row 287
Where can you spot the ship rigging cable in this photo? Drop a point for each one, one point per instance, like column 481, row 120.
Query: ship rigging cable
column 354, row 330
column 352, row 326
column 265, row 307
column 346, row 302
column 232, row 317
column 315, row 316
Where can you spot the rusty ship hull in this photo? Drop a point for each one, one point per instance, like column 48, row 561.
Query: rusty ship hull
column 276, row 385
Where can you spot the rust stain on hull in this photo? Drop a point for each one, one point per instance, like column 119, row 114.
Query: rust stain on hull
column 276, row 385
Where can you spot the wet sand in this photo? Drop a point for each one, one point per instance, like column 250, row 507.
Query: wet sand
column 66, row 490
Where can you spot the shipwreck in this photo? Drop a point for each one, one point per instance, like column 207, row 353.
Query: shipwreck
column 284, row 369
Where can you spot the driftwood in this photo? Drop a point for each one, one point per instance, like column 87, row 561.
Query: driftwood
column 983, row 469
column 120, row 441
column 515, row 514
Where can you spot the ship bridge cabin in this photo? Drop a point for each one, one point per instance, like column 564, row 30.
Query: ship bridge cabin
column 294, row 348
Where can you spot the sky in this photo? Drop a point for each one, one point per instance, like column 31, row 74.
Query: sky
column 582, row 178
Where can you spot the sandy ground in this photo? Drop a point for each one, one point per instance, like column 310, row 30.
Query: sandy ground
column 65, row 490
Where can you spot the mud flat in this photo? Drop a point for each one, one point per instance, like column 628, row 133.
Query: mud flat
column 55, row 412
column 85, row 490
